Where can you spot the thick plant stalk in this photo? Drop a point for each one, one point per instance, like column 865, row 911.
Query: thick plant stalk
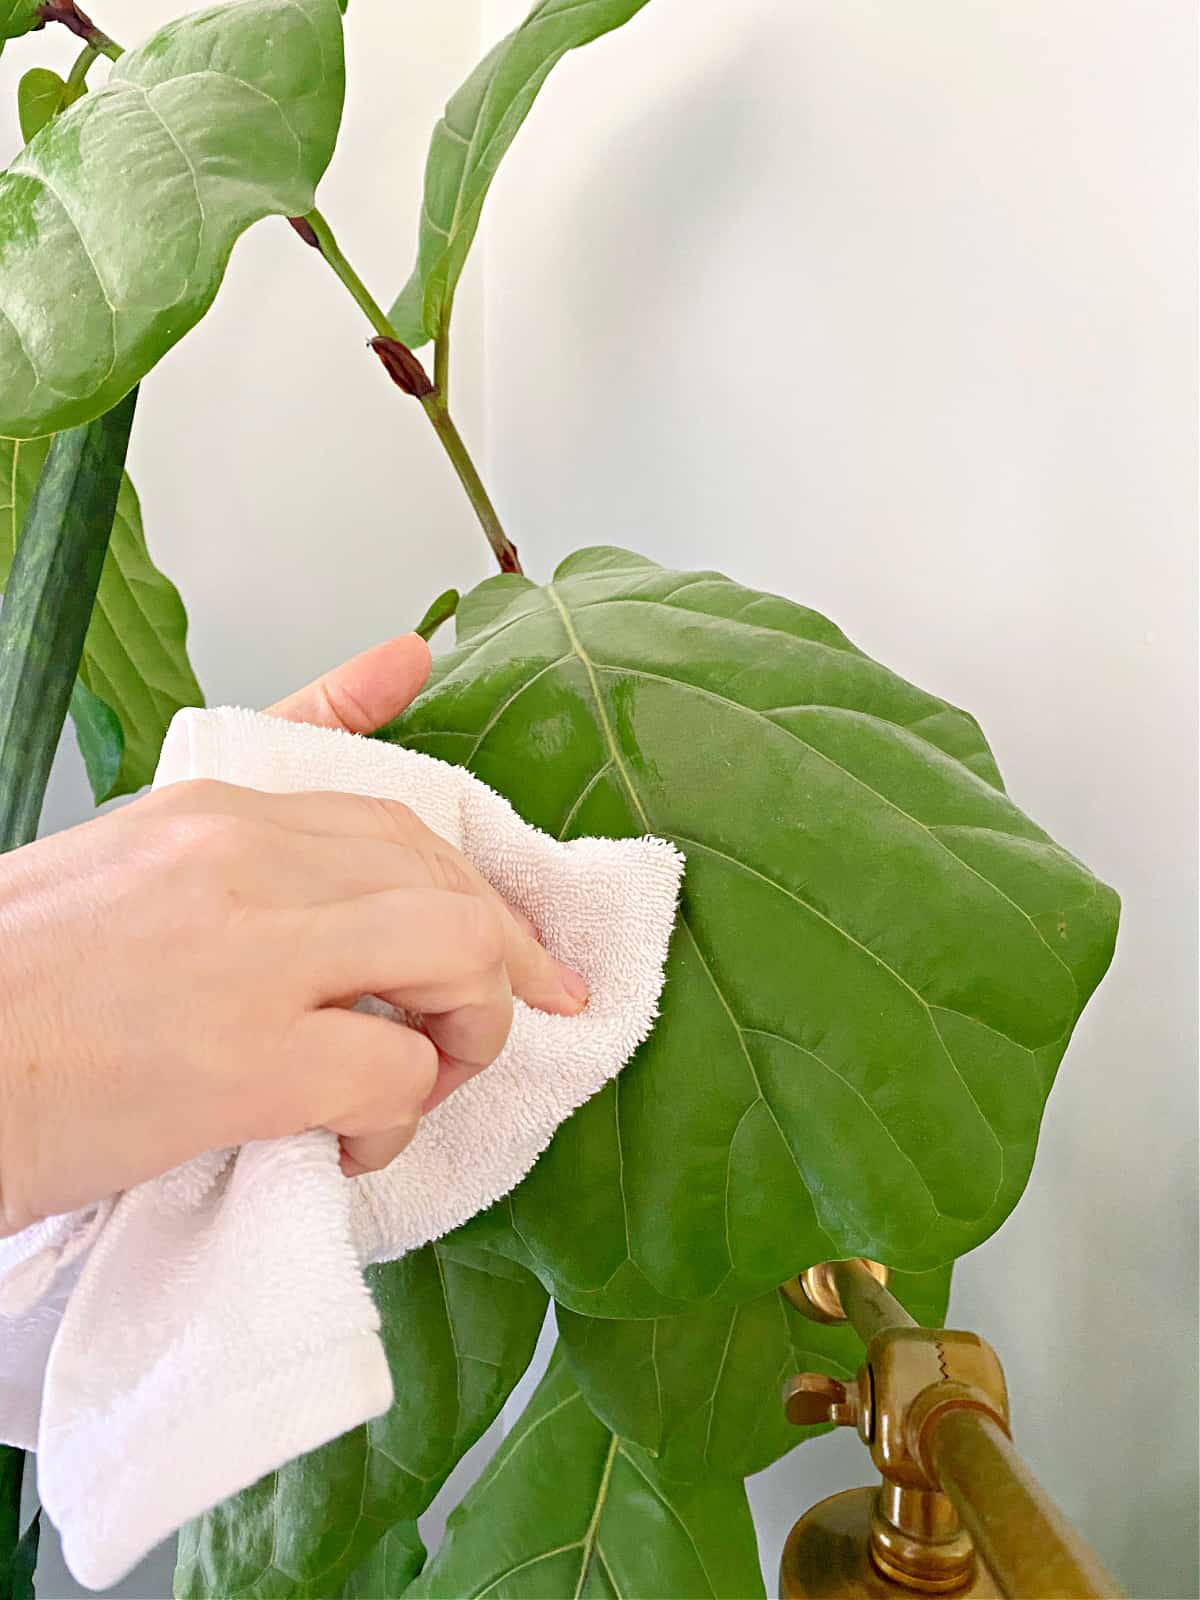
column 47, row 608
column 48, row 605
column 12, row 1471
column 81, row 25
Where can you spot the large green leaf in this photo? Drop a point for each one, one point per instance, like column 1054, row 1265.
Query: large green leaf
column 460, row 1328
column 391, row 1566
column 569, row 1508
column 702, row 1389
column 135, row 655
column 878, row 963
column 17, row 17
column 469, row 142
column 117, row 220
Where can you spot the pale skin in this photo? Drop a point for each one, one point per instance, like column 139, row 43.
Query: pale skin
column 176, row 976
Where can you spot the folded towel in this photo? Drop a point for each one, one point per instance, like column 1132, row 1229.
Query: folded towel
column 167, row 1347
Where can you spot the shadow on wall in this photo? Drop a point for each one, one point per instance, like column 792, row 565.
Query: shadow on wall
column 696, row 142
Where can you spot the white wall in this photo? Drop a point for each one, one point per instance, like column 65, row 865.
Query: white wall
column 890, row 308
column 886, row 307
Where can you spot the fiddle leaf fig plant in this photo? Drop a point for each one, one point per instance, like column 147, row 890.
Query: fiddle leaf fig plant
column 878, row 962
column 217, row 121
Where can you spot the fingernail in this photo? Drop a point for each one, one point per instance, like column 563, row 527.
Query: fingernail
column 572, row 983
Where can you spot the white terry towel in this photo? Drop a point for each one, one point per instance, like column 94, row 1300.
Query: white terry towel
column 167, row 1347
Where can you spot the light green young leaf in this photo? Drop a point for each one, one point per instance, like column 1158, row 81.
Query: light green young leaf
column 437, row 612
column 469, row 142
column 135, row 654
column 117, row 221
column 702, row 1389
column 569, row 1508
column 878, row 962
column 40, row 95
column 459, row 1327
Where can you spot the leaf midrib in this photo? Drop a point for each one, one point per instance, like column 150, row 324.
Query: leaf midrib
column 590, row 669
column 635, row 799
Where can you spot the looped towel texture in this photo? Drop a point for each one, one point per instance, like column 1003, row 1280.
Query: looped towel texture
column 170, row 1345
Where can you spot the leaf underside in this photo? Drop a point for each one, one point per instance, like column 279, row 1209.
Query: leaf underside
column 459, row 1329
column 138, row 192
column 469, row 142
column 701, row 1390
column 569, row 1508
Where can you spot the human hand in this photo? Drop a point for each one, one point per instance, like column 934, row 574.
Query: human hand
column 176, row 976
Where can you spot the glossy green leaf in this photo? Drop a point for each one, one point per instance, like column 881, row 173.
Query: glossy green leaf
column 17, row 17
column 390, row 1568
column 702, row 1389
column 569, row 1508
column 135, row 655
column 40, row 96
column 469, row 142
column 48, row 605
column 460, row 1328
column 117, row 221
column 879, row 958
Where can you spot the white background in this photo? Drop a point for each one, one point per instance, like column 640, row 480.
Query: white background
column 887, row 307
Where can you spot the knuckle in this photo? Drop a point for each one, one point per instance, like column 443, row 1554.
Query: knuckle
column 446, row 871
column 189, row 794
column 483, row 936
column 398, row 819
column 204, row 837
column 421, row 1068
column 502, row 1027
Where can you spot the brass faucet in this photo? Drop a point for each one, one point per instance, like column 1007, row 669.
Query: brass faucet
column 957, row 1512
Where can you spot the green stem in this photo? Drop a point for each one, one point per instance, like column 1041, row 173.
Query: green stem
column 314, row 228
column 78, row 73
column 81, row 25
column 503, row 548
column 331, row 250
column 441, row 359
